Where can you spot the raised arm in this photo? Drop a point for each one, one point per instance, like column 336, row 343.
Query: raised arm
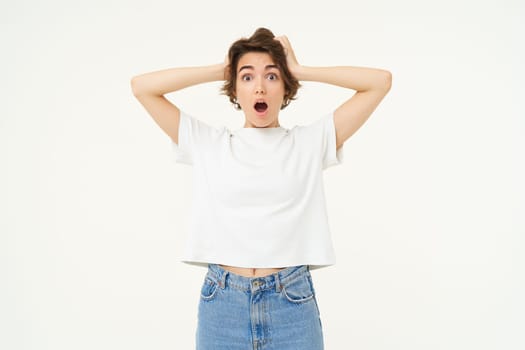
column 370, row 84
column 150, row 89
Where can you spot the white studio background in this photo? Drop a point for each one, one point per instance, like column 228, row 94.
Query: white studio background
column 426, row 211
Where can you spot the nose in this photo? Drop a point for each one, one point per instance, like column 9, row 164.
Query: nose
column 259, row 88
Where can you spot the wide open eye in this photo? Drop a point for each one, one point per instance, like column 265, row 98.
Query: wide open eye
column 246, row 77
column 272, row 76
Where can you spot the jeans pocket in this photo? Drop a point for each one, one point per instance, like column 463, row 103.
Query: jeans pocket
column 299, row 290
column 209, row 289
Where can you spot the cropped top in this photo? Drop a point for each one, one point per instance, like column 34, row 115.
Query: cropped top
column 258, row 193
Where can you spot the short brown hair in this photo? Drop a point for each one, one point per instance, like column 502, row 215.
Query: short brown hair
column 262, row 40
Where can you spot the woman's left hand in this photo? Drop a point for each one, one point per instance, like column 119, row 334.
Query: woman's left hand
column 291, row 60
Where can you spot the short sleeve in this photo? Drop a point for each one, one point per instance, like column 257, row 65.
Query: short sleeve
column 194, row 136
column 330, row 155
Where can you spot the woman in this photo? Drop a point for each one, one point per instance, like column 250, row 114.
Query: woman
column 259, row 219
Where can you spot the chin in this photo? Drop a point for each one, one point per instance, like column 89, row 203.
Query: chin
column 263, row 124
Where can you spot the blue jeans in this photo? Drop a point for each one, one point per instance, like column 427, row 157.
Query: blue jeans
column 278, row 311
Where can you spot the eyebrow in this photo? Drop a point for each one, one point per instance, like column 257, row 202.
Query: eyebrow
column 270, row 66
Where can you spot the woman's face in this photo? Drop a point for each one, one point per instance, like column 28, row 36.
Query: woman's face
column 259, row 90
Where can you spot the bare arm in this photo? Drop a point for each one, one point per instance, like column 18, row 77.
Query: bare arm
column 370, row 84
column 150, row 89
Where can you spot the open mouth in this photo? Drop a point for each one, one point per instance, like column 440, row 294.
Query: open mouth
column 260, row 107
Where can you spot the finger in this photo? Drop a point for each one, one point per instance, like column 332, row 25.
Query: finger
column 283, row 40
column 285, row 44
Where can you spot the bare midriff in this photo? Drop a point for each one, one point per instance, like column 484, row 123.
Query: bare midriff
column 249, row 272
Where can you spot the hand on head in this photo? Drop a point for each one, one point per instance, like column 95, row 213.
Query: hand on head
column 291, row 60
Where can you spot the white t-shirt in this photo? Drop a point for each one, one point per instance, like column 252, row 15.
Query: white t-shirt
column 258, row 193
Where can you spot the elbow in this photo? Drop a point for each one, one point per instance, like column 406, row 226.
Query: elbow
column 142, row 86
column 386, row 81
column 136, row 86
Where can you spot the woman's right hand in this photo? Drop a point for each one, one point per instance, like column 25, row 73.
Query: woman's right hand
column 226, row 69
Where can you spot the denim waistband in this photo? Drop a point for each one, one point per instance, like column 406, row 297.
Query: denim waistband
column 274, row 281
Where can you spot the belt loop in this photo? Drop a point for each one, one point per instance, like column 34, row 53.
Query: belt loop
column 278, row 285
column 222, row 282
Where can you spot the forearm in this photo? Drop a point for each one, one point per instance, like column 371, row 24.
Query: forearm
column 162, row 82
column 356, row 78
